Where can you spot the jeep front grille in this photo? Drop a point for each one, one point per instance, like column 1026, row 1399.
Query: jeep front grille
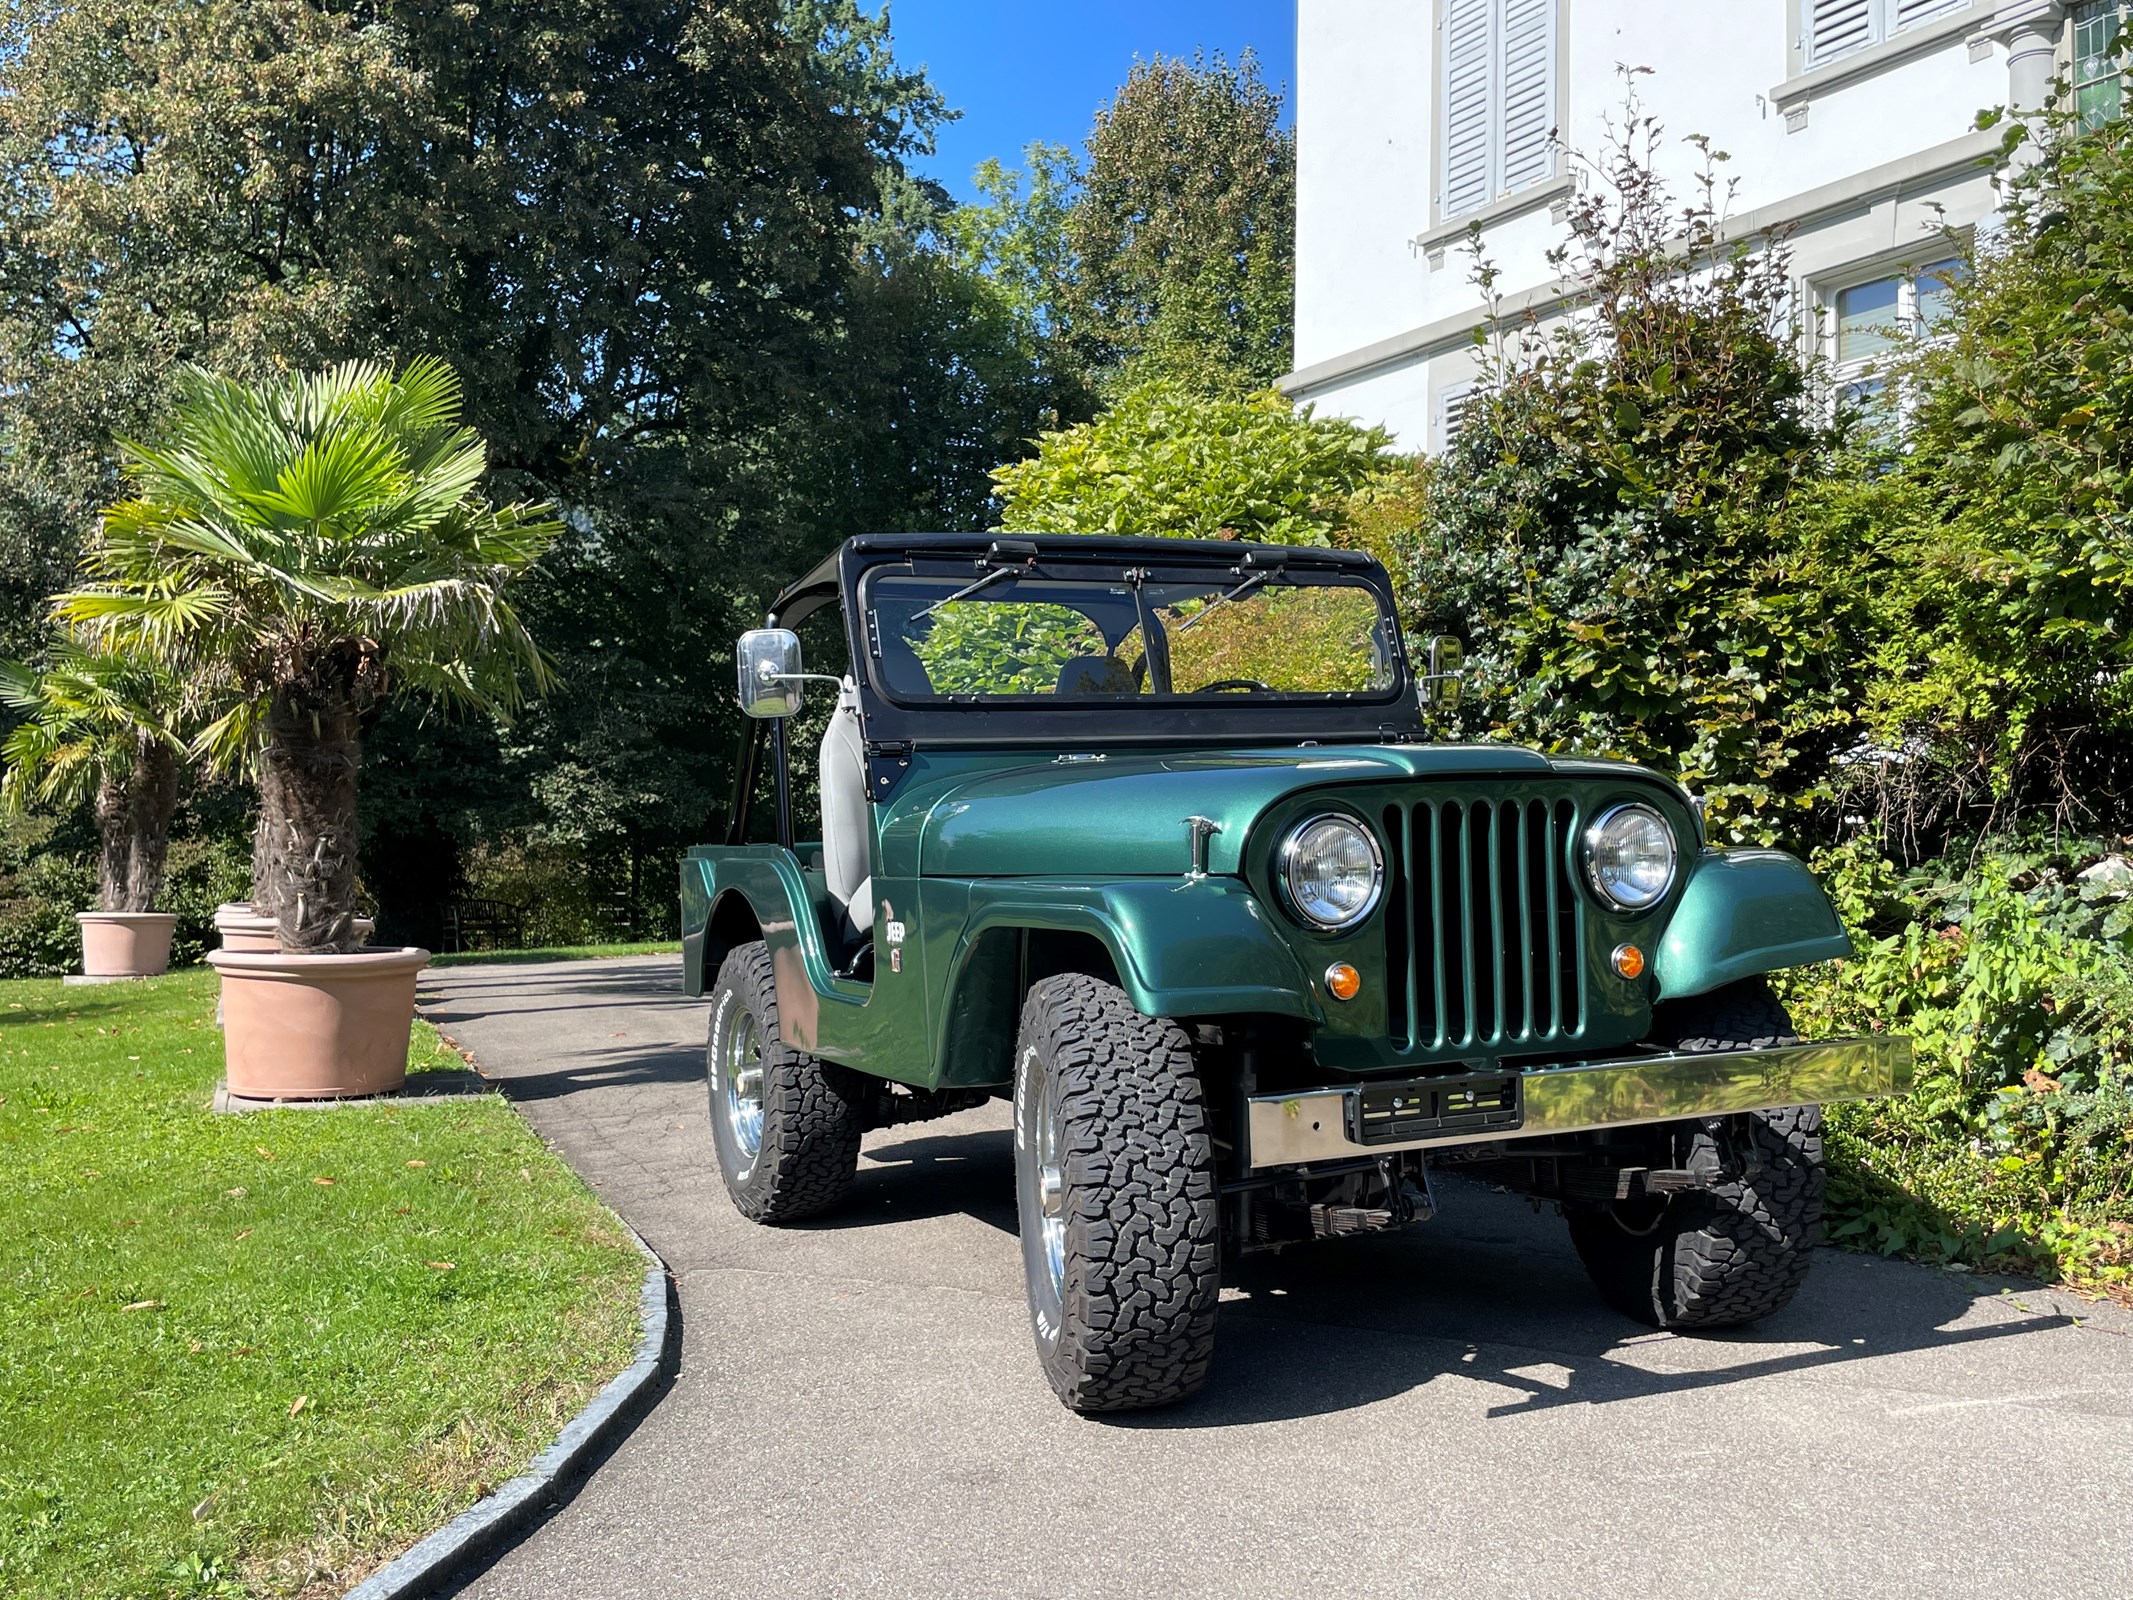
column 1484, row 920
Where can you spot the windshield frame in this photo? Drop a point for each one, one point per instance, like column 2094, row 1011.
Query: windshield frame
column 1340, row 716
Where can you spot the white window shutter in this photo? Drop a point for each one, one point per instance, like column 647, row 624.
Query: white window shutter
column 1469, row 74
column 1910, row 13
column 1451, row 412
column 1528, row 92
column 1836, row 27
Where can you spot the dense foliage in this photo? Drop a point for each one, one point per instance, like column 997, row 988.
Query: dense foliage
column 1606, row 531
column 1169, row 461
column 2013, row 975
column 1894, row 635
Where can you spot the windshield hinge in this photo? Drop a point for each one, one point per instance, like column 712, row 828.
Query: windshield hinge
column 888, row 763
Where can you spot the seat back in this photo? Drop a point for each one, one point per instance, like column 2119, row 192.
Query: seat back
column 846, row 855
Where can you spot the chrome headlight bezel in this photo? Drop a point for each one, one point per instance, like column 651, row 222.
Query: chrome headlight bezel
column 1286, row 860
column 1588, row 851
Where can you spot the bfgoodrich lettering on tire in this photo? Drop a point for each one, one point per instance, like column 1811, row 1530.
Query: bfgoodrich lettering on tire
column 786, row 1125
column 1739, row 1250
column 1115, row 1184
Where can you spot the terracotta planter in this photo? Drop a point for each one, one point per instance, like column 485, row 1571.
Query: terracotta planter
column 125, row 944
column 316, row 1027
column 244, row 929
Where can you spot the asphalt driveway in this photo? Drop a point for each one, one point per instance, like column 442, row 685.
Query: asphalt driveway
column 1451, row 1411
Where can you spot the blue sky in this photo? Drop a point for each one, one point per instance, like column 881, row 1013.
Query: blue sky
column 1021, row 70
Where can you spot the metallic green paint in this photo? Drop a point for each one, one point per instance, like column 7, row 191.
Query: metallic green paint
column 1744, row 912
column 977, row 851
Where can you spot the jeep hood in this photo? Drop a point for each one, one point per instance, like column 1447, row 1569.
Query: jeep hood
column 1125, row 816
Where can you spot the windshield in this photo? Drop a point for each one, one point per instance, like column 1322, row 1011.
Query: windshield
column 1008, row 635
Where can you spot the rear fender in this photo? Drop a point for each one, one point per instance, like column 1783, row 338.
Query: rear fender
column 753, row 892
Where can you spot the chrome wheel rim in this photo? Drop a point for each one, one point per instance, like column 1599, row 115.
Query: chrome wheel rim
column 740, row 1072
column 1051, row 1191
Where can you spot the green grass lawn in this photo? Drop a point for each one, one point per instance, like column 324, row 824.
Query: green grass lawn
column 257, row 1354
column 560, row 952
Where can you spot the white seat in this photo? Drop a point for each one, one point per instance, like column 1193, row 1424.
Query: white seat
column 846, row 827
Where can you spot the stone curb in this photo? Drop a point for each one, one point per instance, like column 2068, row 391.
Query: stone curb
column 512, row 1508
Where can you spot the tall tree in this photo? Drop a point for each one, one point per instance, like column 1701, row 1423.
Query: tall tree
column 1185, row 227
column 645, row 233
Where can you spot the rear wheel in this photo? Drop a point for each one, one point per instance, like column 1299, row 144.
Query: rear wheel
column 1737, row 1251
column 786, row 1124
column 1115, row 1185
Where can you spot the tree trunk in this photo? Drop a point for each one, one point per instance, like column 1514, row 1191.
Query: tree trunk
column 114, row 842
column 150, row 800
column 306, row 848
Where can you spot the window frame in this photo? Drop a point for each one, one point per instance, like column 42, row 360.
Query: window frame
column 1846, row 377
column 2115, row 60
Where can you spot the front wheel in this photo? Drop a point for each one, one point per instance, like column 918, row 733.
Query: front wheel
column 1737, row 1251
column 1115, row 1186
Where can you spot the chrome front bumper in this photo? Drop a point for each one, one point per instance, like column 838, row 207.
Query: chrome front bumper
column 1326, row 1124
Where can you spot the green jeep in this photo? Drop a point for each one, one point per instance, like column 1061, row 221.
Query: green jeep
column 1152, row 837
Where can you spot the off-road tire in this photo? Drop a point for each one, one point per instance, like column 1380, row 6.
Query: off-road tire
column 814, row 1111
column 1133, row 1323
column 1737, row 1252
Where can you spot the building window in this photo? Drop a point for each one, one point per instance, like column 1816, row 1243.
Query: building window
column 1833, row 28
column 1867, row 320
column 2099, row 67
column 1497, row 101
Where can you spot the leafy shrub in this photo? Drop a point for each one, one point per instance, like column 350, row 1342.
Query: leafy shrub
column 1605, row 531
column 1169, row 461
column 2013, row 975
column 2004, row 637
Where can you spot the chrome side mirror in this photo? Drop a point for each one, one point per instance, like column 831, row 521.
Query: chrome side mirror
column 767, row 661
column 1446, row 679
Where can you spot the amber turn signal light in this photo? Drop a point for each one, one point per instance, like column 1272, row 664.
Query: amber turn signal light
column 1343, row 982
column 1629, row 961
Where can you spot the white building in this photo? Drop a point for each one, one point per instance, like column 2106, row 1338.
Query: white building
column 1851, row 122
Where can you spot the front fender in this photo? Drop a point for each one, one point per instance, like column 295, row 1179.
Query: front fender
column 1183, row 947
column 1745, row 912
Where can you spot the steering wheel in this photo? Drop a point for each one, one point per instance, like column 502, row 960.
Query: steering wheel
column 1220, row 684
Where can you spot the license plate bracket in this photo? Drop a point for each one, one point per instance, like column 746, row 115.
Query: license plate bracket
column 1482, row 1103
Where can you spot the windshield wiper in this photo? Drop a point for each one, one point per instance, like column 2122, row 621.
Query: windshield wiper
column 965, row 593
column 999, row 552
column 1216, row 604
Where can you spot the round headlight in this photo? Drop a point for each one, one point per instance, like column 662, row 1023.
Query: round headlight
column 1629, row 857
column 1332, row 871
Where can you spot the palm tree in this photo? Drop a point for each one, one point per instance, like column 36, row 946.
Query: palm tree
column 101, row 725
column 299, row 552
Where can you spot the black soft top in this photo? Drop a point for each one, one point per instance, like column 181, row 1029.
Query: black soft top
column 806, row 596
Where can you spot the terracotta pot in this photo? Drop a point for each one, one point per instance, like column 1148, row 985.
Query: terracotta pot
column 244, row 929
column 125, row 944
column 316, row 1027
